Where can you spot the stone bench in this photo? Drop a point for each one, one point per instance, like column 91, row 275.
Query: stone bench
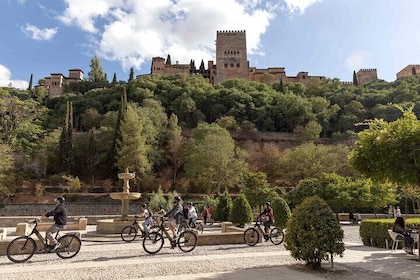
column 229, row 235
column 3, row 233
column 26, row 228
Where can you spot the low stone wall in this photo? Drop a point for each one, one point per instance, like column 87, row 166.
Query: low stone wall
column 229, row 234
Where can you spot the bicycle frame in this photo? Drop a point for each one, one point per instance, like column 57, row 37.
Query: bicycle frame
column 39, row 235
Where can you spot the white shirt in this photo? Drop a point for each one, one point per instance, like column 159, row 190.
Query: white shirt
column 192, row 213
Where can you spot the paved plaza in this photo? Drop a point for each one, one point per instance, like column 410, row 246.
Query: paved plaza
column 110, row 258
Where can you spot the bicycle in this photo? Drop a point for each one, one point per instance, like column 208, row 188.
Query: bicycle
column 252, row 234
column 153, row 241
column 185, row 224
column 129, row 233
column 23, row 248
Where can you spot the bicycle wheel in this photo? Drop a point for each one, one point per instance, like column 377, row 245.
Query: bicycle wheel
column 69, row 246
column 187, row 241
column 153, row 242
column 129, row 233
column 276, row 236
column 21, row 249
column 251, row 236
column 182, row 227
column 199, row 227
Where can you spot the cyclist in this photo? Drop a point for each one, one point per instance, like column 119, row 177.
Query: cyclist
column 147, row 214
column 60, row 222
column 268, row 218
column 192, row 214
column 161, row 211
column 175, row 216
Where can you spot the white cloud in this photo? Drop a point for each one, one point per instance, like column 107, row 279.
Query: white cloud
column 357, row 60
column 299, row 5
column 132, row 31
column 39, row 34
column 5, row 79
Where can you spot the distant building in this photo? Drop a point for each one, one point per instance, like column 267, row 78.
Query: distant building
column 231, row 62
column 56, row 82
column 409, row 70
column 365, row 76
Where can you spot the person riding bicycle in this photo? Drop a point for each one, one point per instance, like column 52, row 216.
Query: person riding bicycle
column 175, row 216
column 161, row 211
column 147, row 214
column 192, row 214
column 268, row 218
column 60, row 221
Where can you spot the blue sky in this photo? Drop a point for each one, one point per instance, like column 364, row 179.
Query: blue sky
column 323, row 37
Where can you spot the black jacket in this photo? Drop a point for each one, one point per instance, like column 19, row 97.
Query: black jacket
column 60, row 214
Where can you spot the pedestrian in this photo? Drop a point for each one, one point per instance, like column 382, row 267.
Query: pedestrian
column 204, row 213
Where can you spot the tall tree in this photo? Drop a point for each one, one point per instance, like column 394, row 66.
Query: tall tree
column 174, row 146
column 30, row 83
column 168, row 60
column 114, row 79
column 96, row 73
column 212, row 159
column 65, row 145
column 355, row 82
column 131, row 76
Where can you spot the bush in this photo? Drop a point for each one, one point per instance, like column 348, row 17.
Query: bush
column 157, row 199
column 374, row 232
column 313, row 233
column 223, row 208
column 241, row 211
column 281, row 211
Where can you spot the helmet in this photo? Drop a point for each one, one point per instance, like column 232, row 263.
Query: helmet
column 177, row 198
column 190, row 203
column 267, row 203
column 144, row 205
column 59, row 199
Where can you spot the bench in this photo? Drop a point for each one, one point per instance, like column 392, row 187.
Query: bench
column 3, row 233
column 25, row 228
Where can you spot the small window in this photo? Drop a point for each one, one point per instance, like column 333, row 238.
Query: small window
column 226, row 65
column 238, row 65
column 232, row 65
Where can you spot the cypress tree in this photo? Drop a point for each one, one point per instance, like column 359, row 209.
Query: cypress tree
column 30, row 83
column 168, row 60
column 131, row 76
column 355, row 82
column 114, row 79
column 66, row 142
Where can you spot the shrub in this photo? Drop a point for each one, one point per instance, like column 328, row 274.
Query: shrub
column 374, row 232
column 157, row 199
column 223, row 208
column 313, row 233
column 241, row 211
column 73, row 183
column 281, row 211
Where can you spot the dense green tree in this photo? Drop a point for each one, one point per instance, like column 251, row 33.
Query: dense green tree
column 131, row 76
column 257, row 190
column 132, row 152
column 212, row 159
column 7, row 184
column 241, row 211
column 114, row 79
column 90, row 119
column 313, row 234
column 168, row 60
column 281, row 211
column 174, row 147
column 30, row 83
column 389, row 150
column 96, row 73
column 312, row 161
column 66, row 140
column 355, row 82
column 223, row 208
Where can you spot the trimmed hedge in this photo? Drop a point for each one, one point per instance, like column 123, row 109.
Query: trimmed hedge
column 374, row 232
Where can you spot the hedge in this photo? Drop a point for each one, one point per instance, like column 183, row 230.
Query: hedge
column 374, row 232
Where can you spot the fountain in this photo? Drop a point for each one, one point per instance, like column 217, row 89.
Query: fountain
column 116, row 225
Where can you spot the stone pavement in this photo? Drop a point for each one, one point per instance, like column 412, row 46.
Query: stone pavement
column 107, row 260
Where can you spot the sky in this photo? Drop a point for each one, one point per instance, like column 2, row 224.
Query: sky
column 329, row 38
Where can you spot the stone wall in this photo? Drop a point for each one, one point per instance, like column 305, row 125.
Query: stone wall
column 74, row 209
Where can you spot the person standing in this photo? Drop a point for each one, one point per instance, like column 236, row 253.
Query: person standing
column 205, row 213
column 60, row 222
column 210, row 217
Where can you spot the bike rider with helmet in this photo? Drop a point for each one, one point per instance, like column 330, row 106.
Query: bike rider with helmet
column 268, row 218
column 175, row 216
column 60, row 221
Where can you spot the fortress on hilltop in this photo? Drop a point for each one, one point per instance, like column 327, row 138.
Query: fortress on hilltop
column 231, row 62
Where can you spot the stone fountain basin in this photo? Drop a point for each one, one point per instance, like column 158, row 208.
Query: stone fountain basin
column 125, row 195
column 126, row 176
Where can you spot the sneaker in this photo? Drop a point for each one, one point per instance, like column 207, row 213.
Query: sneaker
column 56, row 245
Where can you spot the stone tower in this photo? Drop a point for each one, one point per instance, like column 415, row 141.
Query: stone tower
column 231, row 57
